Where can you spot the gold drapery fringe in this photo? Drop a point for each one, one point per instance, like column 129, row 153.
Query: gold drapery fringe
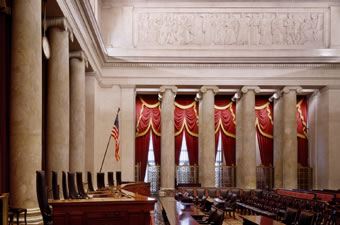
column 226, row 107
column 150, row 106
column 193, row 104
column 268, row 111
column 304, row 135
column 257, row 124
column 223, row 130
column 186, row 128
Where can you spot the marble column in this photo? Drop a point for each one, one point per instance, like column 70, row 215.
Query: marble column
column 168, row 94
column 78, row 62
column 58, row 99
column 207, row 137
column 127, row 126
column 327, row 164
column 278, row 142
column 25, row 103
column 245, row 138
column 289, row 137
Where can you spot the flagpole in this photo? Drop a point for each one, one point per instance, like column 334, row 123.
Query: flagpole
column 107, row 146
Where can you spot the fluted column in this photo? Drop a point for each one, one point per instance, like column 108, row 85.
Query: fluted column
column 168, row 94
column 127, row 129
column 289, row 142
column 78, row 62
column 278, row 142
column 25, row 104
column 58, row 98
column 245, row 138
column 207, row 137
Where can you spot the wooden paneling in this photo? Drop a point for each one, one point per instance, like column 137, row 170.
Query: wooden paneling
column 132, row 210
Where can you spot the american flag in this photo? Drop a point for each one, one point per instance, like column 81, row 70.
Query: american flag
column 115, row 135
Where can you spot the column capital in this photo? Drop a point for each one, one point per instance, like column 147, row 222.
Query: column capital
column 204, row 89
column 173, row 89
column 62, row 23
column 79, row 55
column 245, row 89
column 287, row 89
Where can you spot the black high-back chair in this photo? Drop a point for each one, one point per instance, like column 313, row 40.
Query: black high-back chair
column 89, row 182
column 305, row 218
column 72, row 185
column 100, row 180
column 119, row 177
column 218, row 217
column 80, row 186
column 55, row 186
column 110, row 179
column 64, row 184
column 223, row 193
column 290, row 216
column 42, row 198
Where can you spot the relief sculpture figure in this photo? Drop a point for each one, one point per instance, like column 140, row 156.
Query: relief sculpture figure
column 229, row 29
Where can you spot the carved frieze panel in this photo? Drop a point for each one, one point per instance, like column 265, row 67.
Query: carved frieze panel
column 230, row 28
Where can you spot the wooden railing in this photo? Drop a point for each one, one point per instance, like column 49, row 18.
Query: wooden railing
column 186, row 174
column 305, row 178
column 264, row 177
column 225, row 176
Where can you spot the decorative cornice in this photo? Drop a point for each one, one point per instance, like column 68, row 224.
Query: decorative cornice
column 245, row 89
column 287, row 89
column 79, row 55
column 127, row 86
column 225, row 65
column 204, row 89
column 62, row 23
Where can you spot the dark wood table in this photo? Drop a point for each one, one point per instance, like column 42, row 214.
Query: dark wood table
column 259, row 220
column 131, row 209
column 179, row 213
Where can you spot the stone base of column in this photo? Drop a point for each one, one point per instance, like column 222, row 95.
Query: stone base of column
column 33, row 217
column 167, row 192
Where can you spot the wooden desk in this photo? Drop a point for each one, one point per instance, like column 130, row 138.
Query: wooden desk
column 259, row 220
column 177, row 214
column 131, row 210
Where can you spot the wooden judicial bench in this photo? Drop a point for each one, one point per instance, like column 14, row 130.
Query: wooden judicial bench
column 110, row 209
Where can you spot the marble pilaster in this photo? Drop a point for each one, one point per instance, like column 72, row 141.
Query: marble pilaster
column 277, row 142
column 58, row 99
column 245, row 138
column 78, row 62
column 289, row 137
column 168, row 138
column 207, row 137
column 25, row 105
column 127, row 127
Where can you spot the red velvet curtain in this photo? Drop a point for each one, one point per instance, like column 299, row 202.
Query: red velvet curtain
column 186, row 121
column 225, row 122
column 264, row 129
column 148, row 119
column 301, row 118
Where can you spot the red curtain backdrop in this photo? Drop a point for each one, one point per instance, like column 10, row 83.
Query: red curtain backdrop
column 148, row 119
column 186, row 121
column 225, row 121
column 301, row 119
column 264, row 128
